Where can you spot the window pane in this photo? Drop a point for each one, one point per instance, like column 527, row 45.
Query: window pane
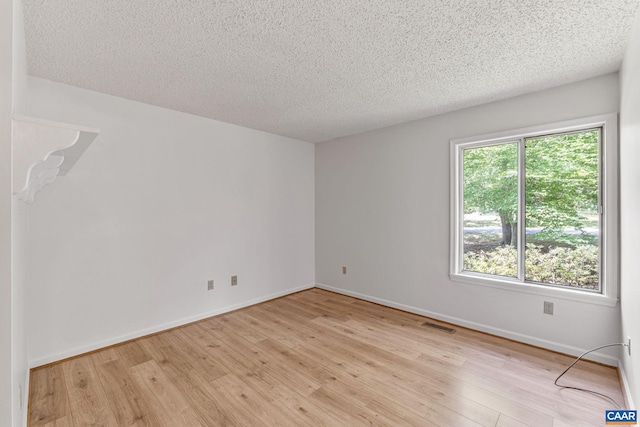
column 490, row 209
column 561, row 203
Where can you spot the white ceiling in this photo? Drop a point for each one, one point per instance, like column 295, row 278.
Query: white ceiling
column 318, row 70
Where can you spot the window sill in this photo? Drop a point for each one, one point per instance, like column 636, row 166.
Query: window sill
column 541, row 290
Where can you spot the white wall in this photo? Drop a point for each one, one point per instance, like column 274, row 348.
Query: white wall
column 382, row 210
column 6, row 371
column 19, row 239
column 630, row 207
column 160, row 203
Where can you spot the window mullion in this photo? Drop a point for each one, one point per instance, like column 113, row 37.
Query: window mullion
column 521, row 208
column 602, row 237
column 460, row 209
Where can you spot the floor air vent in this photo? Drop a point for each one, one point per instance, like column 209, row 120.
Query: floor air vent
column 439, row 327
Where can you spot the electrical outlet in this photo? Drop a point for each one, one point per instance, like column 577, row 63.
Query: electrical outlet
column 234, row 280
column 210, row 285
column 629, row 345
column 548, row 308
column 344, row 270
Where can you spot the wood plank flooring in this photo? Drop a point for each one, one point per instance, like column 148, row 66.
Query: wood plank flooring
column 318, row 358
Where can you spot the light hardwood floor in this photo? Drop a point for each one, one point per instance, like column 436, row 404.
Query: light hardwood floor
column 318, row 358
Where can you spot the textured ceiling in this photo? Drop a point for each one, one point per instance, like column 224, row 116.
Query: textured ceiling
column 317, row 70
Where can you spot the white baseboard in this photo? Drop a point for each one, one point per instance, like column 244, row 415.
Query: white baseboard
column 528, row 339
column 625, row 386
column 563, row 348
column 122, row 338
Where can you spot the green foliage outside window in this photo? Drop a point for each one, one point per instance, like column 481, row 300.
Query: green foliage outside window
column 561, row 197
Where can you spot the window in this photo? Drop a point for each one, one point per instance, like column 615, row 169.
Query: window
column 535, row 210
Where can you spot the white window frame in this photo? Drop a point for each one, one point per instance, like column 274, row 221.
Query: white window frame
column 609, row 222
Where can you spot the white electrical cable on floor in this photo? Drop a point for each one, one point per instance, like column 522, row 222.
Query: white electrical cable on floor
column 582, row 389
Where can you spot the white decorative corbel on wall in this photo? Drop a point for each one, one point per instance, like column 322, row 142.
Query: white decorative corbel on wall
column 42, row 150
